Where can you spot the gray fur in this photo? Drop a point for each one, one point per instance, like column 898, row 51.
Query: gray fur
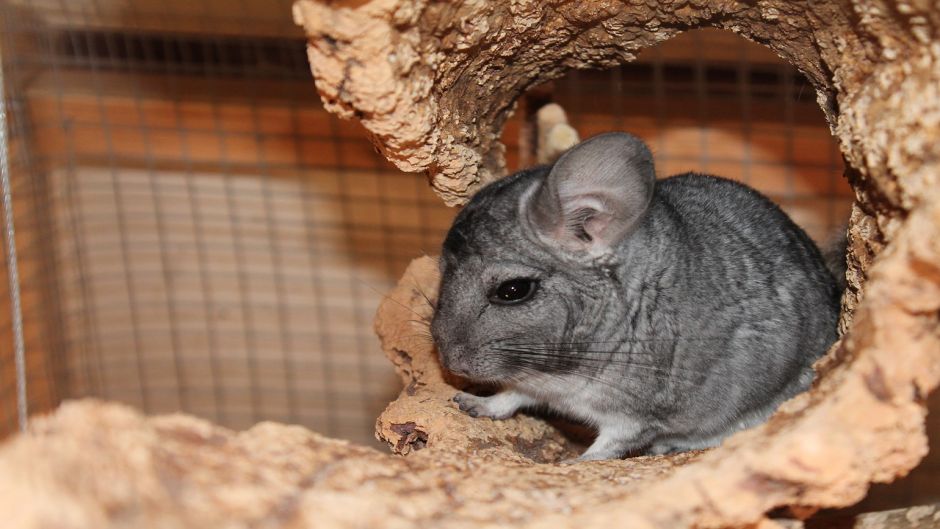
column 668, row 315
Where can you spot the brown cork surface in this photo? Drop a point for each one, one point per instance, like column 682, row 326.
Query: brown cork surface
column 433, row 83
column 95, row 465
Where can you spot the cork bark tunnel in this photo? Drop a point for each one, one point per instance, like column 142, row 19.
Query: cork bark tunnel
column 433, row 84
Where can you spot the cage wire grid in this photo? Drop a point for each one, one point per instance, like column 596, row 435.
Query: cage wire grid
column 196, row 233
column 121, row 198
column 16, row 315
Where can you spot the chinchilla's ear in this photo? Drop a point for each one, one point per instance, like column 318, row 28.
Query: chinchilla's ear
column 594, row 194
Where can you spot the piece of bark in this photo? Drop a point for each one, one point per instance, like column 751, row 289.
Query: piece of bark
column 94, row 465
column 916, row 517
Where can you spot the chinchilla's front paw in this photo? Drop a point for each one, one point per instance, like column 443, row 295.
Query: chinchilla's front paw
column 482, row 406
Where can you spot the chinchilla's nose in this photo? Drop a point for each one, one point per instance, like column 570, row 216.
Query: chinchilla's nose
column 451, row 356
column 451, row 344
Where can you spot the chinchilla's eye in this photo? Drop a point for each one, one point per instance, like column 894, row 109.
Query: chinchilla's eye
column 514, row 291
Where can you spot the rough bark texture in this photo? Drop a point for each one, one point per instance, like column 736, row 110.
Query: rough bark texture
column 917, row 517
column 433, row 83
column 95, row 465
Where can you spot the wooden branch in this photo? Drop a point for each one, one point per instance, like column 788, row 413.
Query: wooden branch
column 555, row 135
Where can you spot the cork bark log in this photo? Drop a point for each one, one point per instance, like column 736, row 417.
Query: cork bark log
column 433, row 83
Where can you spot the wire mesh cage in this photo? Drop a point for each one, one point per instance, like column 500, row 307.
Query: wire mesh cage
column 196, row 233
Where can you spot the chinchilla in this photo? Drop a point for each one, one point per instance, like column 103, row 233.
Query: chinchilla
column 666, row 314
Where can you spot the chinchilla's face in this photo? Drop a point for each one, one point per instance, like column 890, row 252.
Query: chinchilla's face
column 499, row 293
column 518, row 273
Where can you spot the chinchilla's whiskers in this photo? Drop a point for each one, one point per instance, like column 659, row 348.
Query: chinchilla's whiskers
column 501, row 341
column 426, row 298
column 581, row 347
column 423, row 331
column 623, row 341
column 406, row 307
column 533, row 371
column 423, row 323
column 425, row 339
column 594, row 362
column 603, row 362
column 565, row 353
column 395, row 301
column 609, row 352
column 596, row 359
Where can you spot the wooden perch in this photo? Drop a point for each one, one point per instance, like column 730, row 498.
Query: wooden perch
column 555, row 135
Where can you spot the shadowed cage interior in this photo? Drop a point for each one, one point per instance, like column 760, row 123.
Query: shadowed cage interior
column 196, row 233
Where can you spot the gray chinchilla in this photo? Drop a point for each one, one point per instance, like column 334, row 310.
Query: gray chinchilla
column 666, row 314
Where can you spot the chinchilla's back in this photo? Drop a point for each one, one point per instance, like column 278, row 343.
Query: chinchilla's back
column 750, row 288
column 735, row 226
column 748, row 226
